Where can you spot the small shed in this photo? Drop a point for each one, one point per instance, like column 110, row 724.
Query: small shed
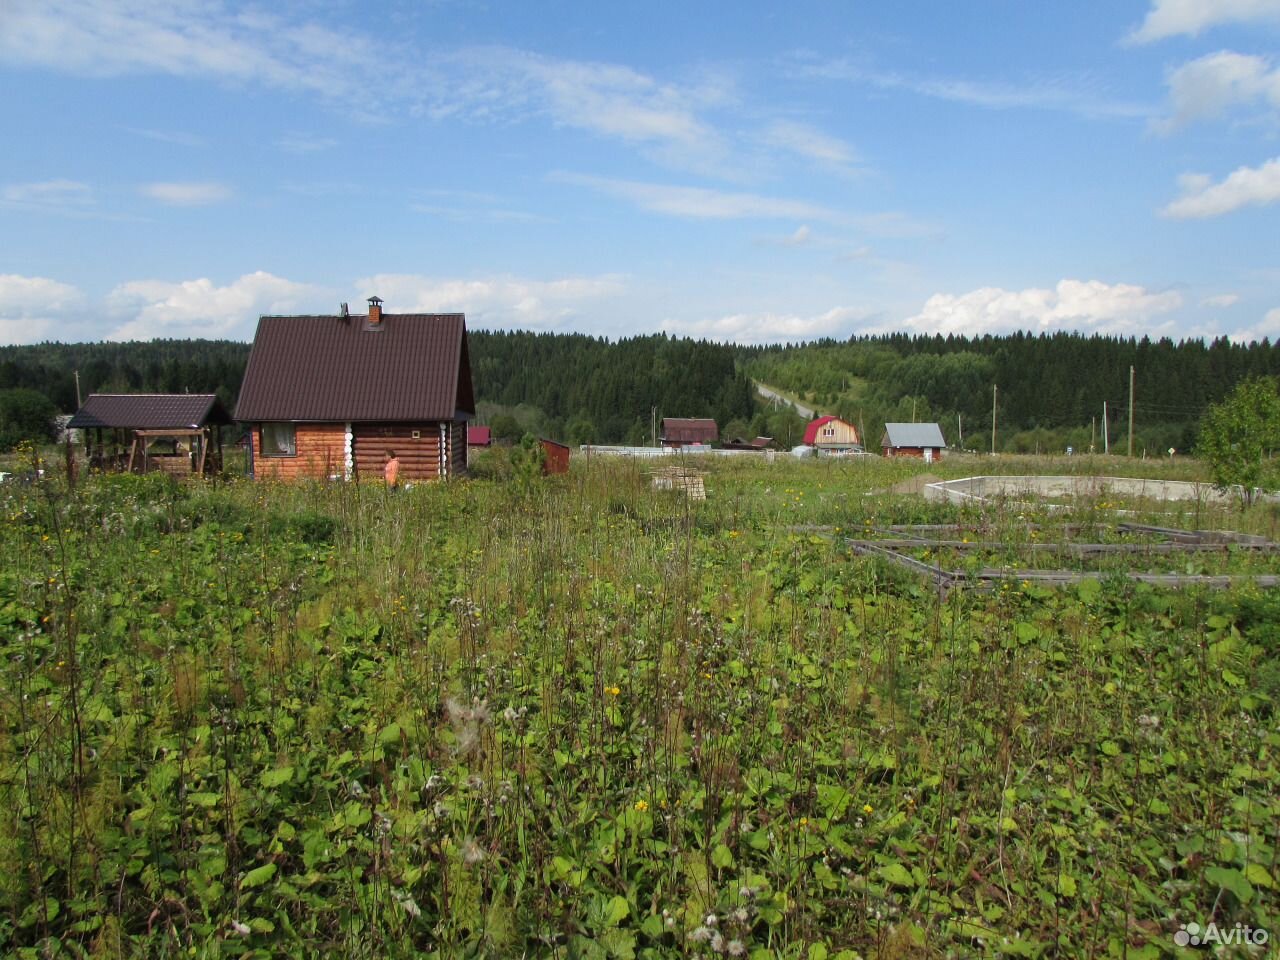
column 685, row 432
column 479, row 438
column 922, row 440
column 557, row 456
column 832, row 435
column 179, row 433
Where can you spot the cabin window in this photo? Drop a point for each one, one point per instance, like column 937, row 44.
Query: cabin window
column 279, row 440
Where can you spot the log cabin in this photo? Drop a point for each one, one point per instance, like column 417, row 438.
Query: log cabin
column 329, row 396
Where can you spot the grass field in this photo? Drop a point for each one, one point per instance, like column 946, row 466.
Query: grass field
column 580, row 718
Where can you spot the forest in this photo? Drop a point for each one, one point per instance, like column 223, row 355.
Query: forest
column 1050, row 389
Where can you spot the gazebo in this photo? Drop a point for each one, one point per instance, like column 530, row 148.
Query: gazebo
column 179, row 433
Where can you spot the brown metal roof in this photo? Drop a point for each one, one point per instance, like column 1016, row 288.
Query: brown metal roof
column 683, row 430
column 150, row 411
column 411, row 366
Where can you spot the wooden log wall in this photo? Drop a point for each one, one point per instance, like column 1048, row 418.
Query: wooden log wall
column 419, row 456
column 321, row 453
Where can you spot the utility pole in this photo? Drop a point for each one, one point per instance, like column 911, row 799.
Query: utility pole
column 994, row 389
column 1131, row 411
column 913, row 409
column 1093, row 432
column 78, row 403
column 960, row 431
column 1106, row 439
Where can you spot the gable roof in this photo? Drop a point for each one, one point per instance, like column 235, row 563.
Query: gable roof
column 150, row 411
column 478, row 437
column 411, row 366
column 913, row 435
column 811, row 431
column 686, row 430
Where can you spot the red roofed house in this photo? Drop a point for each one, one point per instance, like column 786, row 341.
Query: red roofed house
column 832, row 434
column 681, row 432
column 329, row 396
column 479, row 437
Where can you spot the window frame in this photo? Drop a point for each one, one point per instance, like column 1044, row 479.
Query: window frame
column 278, row 425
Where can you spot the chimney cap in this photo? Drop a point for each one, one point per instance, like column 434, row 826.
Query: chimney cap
column 375, row 301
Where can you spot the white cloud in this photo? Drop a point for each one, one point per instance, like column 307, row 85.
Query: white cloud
column 1268, row 328
column 304, row 143
column 700, row 203
column 49, row 195
column 1221, row 300
column 186, row 194
column 177, row 138
column 1245, row 187
column 495, row 302
column 1208, row 87
column 146, row 309
column 1087, row 306
column 31, row 307
column 770, row 327
column 1169, row 18
column 1081, row 95
column 368, row 75
column 188, row 38
column 812, row 144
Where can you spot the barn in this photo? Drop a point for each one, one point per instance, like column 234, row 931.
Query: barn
column 329, row 396
column 687, row 432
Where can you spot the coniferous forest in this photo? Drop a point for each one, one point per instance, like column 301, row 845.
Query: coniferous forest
column 1051, row 389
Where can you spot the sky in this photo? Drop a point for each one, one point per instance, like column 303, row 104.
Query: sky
column 745, row 171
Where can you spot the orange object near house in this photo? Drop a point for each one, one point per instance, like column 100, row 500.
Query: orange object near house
column 391, row 472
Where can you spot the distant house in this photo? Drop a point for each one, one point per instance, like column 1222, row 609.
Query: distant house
column 680, row 432
column 479, row 437
column 922, row 440
column 556, row 459
column 328, row 396
column 758, row 445
column 833, row 435
column 180, row 433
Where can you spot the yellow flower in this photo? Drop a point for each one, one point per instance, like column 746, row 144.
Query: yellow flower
column 804, row 821
column 867, row 808
column 642, row 806
column 612, row 691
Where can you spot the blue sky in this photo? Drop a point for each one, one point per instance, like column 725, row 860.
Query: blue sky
column 729, row 170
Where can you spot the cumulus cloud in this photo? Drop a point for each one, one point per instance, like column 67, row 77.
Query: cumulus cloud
column 1245, row 187
column 496, row 302
column 1087, row 306
column 146, row 309
column 1171, row 18
column 1213, row 84
column 186, row 194
column 1268, row 328
column 768, row 327
column 32, row 308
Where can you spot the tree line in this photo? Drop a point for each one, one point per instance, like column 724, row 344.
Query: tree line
column 580, row 388
column 569, row 386
column 1051, row 388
